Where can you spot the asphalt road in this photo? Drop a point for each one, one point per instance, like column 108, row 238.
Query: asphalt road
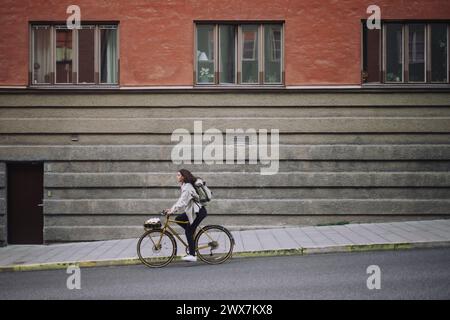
column 408, row 274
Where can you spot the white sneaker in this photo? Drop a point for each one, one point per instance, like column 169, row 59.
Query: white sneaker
column 189, row 258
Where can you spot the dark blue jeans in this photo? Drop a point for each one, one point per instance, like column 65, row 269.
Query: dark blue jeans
column 190, row 228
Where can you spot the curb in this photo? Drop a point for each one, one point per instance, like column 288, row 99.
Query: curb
column 64, row 265
column 376, row 247
column 269, row 253
column 244, row 254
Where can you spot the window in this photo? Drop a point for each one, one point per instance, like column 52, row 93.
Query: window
column 394, row 53
column 42, row 54
column 416, row 46
column 227, row 58
column 371, row 55
column 413, row 52
column 63, row 55
column 232, row 53
column 88, row 55
column 205, row 54
column 108, row 54
column 250, row 39
column 439, row 52
column 250, row 66
column 272, row 52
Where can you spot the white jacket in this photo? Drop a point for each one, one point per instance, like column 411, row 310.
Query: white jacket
column 186, row 202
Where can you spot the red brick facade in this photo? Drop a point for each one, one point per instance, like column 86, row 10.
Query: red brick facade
column 322, row 38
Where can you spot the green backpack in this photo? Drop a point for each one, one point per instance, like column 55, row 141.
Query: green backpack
column 203, row 192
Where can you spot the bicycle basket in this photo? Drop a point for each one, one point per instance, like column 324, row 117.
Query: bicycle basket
column 153, row 223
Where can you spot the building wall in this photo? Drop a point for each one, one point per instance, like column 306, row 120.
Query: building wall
column 345, row 156
column 322, row 38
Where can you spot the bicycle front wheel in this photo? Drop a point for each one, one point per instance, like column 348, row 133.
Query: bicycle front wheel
column 214, row 244
column 156, row 248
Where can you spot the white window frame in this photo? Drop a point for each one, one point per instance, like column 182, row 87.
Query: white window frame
column 405, row 53
column 239, row 54
column 75, row 54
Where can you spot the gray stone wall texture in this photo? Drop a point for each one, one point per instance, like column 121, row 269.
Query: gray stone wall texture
column 344, row 156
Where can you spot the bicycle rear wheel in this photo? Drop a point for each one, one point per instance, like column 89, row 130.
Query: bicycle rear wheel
column 214, row 244
column 156, row 248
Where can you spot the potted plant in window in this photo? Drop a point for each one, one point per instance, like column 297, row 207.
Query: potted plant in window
column 206, row 76
column 272, row 78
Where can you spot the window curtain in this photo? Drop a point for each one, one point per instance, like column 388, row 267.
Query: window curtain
column 42, row 55
column 109, row 56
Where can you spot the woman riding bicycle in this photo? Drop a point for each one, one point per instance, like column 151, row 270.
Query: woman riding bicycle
column 188, row 204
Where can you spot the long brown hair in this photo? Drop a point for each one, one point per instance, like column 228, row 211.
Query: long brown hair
column 188, row 177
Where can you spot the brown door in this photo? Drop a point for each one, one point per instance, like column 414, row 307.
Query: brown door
column 25, row 211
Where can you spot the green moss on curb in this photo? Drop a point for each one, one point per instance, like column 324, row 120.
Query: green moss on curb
column 269, row 253
column 369, row 247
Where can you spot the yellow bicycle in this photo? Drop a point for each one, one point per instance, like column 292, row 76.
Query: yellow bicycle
column 157, row 247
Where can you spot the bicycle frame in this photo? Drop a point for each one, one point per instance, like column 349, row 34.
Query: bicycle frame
column 175, row 233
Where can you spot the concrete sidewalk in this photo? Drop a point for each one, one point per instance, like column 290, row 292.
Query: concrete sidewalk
column 267, row 242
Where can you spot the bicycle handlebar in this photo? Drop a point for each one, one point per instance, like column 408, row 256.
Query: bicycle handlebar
column 163, row 213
